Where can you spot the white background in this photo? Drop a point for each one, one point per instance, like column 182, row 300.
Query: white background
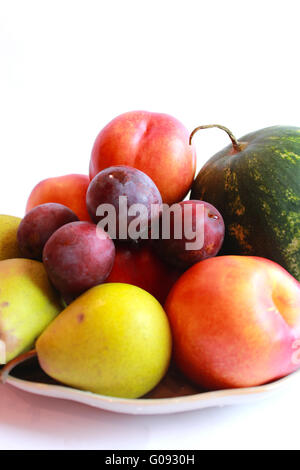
column 67, row 68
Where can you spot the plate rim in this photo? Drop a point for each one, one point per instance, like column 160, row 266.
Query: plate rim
column 139, row 405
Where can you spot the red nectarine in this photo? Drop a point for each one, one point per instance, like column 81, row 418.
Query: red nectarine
column 155, row 143
column 69, row 190
column 138, row 265
column 235, row 322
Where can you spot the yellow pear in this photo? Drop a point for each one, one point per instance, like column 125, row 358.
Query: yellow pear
column 113, row 340
column 28, row 303
column 8, row 237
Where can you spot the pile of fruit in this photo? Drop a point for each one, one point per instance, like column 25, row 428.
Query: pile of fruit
column 102, row 278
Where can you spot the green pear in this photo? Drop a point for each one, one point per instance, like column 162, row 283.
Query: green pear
column 8, row 237
column 113, row 340
column 28, row 303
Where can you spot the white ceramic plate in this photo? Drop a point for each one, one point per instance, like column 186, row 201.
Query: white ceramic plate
column 173, row 395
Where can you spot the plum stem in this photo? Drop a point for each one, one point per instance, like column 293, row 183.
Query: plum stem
column 4, row 373
column 235, row 143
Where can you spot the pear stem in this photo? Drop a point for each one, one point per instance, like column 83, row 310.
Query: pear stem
column 235, row 143
column 4, row 373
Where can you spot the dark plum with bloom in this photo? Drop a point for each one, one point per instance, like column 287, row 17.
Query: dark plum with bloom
column 77, row 257
column 202, row 231
column 130, row 183
column 39, row 224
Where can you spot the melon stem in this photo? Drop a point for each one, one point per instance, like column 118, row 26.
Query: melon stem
column 235, row 143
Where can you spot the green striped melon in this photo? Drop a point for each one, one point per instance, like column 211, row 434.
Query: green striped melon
column 255, row 184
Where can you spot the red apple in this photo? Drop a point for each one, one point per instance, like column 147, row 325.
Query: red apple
column 69, row 190
column 139, row 266
column 235, row 322
column 155, row 143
